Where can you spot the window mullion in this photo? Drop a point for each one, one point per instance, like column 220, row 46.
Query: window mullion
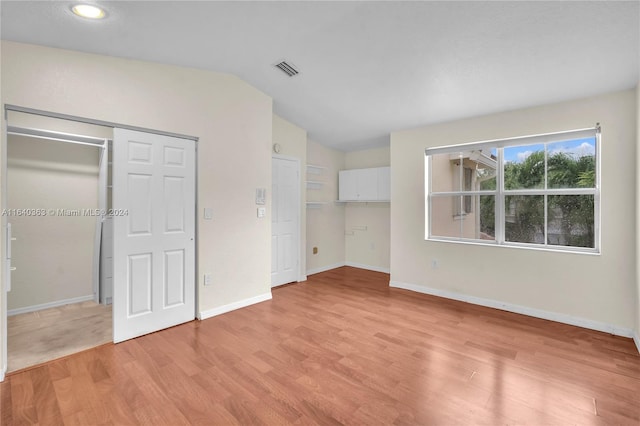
column 546, row 228
column 546, row 187
column 596, row 197
column 500, row 201
column 461, row 198
column 427, row 199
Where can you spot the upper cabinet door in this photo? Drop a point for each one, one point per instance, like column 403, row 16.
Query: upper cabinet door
column 347, row 185
column 371, row 184
column 367, row 184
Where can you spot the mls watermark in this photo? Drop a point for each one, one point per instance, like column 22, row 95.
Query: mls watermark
column 64, row 212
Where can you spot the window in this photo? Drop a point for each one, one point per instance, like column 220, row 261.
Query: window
column 532, row 191
column 466, row 180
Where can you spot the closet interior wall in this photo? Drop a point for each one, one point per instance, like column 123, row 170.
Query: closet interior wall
column 52, row 253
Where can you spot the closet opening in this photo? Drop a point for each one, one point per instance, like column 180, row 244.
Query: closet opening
column 58, row 238
column 99, row 222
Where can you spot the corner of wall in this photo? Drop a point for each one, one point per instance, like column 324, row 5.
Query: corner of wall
column 519, row 309
column 325, row 218
column 202, row 315
column 367, row 225
column 637, row 322
column 3, row 224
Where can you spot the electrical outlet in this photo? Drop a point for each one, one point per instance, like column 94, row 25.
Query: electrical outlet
column 435, row 263
column 207, row 279
column 315, row 250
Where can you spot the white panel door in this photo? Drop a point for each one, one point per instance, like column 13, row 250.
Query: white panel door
column 153, row 243
column 285, row 225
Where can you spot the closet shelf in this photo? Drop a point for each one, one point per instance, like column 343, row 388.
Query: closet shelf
column 315, row 204
column 314, row 184
column 315, row 170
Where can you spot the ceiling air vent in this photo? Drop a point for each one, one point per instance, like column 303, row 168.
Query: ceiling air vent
column 287, row 68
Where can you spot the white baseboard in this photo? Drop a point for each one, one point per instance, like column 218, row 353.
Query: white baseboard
column 302, row 278
column 636, row 338
column 519, row 309
column 233, row 306
column 368, row 267
column 49, row 305
column 325, row 268
column 352, row 264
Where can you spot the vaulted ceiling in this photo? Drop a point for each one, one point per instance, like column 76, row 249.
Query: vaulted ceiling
column 366, row 68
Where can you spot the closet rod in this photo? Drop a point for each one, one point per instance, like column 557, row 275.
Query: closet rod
column 57, row 136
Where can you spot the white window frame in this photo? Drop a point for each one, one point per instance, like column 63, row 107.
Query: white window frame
column 501, row 193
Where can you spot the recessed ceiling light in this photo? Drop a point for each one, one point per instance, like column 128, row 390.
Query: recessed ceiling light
column 88, row 11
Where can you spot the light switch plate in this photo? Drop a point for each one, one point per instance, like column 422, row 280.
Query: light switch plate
column 262, row 212
column 208, row 213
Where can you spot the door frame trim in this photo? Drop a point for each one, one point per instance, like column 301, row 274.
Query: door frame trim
column 301, row 250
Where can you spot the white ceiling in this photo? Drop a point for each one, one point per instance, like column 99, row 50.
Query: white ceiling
column 367, row 68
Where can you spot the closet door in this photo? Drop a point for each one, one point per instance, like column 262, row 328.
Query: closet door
column 285, row 225
column 154, row 231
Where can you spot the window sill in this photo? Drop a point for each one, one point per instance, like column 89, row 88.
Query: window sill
column 519, row 246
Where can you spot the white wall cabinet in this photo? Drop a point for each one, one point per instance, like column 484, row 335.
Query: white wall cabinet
column 373, row 184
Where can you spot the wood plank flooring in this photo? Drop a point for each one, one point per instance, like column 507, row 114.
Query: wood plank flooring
column 341, row 348
column 40, row 336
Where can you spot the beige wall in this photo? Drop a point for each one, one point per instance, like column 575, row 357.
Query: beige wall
column 3, row 272
column 293, row 143
column 325, row 223
column 53, row 255
column 376, row 157
column 368, row 248
column 598, row 289
column 637, row 334
column 232, row 119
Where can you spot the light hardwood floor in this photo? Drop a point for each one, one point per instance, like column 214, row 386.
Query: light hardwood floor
column 37, row 337
column 341, row 348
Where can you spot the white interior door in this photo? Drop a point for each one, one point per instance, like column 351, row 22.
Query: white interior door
column 154, row 231
column 285, row 224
